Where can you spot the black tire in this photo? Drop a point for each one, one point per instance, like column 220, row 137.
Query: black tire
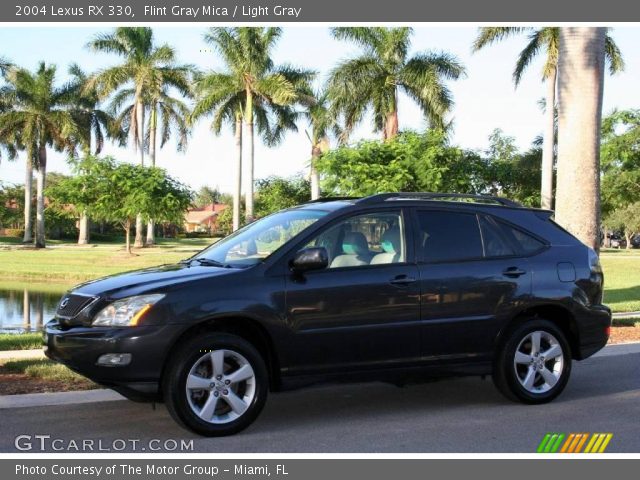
column 509, row 377
column 190, row 355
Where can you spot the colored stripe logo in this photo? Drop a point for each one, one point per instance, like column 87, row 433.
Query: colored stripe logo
column 574, row 443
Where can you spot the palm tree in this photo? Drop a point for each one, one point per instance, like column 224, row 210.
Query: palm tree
column 170, row 115
column 374, row 79
column 10, row 144
column 547, row 39
column 95, row 125
column 40, row 113
column 261, row 86
column 323, row 123
column 221, row 96
column 147, row 68
column 581, row 66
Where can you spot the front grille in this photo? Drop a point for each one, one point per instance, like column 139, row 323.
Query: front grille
column 72, row 304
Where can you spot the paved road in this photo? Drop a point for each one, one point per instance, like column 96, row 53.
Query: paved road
column 459, row 415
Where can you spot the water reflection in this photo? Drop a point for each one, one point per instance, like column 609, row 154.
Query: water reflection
column 25, row 309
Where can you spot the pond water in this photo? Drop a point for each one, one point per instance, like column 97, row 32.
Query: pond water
column 25, row 309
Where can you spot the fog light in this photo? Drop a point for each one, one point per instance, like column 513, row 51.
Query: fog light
column 114, row 359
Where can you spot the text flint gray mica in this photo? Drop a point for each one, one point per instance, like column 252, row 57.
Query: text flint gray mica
column 291, row 11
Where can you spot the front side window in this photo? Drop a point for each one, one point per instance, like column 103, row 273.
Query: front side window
column 445, row 236
column 369, row 239
column 258, row 240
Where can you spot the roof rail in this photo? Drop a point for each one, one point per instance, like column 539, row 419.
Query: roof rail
column 382, row 197
column 332, row 199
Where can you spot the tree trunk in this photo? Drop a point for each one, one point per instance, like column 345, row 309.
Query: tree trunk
column 28, row 190
column 83, row 224
column 315, row 176
column 546, row 187
column 580, row 86
column 153, row 126
column 248, row 119
column 391, row 120
column 140, row 129
column 127, row 236
column 41, row 175
column 237, row 194
column 139, row 241
column 391, row 125
column 627, row 239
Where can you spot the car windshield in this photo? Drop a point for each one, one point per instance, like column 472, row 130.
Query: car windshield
column 255, row 242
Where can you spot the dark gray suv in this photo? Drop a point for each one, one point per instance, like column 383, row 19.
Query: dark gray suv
column 393, row 287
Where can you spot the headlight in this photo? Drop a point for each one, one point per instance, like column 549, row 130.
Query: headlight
column 126, row 312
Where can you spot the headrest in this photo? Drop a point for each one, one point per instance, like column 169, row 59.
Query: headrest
column 355, row 243
column 391, row 241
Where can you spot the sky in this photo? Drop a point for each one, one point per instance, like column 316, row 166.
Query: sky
column 485, row 100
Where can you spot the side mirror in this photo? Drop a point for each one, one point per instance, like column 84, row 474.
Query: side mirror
column 313, row 258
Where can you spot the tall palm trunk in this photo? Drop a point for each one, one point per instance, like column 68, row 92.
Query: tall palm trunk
column 139, row 241
column 580, row 87
column 546, row 187
column 391, row 120
column 248, row 119
column 83, row 227
column 237, row 194
column 153, row 126
column 41, row 175
column 28, row 191
column 316, row 151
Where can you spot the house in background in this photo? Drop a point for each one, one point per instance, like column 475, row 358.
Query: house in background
column 203, row 219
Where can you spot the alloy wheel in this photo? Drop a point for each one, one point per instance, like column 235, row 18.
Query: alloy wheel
column 538, row 362
column 220, row 386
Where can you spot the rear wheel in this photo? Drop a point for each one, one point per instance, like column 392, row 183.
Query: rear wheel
column 216, row 384
column 534, row 363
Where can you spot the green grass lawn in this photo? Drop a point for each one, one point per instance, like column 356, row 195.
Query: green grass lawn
column 20, row 341
column 621, row 281
column 74, row 263
column 45, row 370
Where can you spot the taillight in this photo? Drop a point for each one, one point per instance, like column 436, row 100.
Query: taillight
column 607, row 331
column 594, row 261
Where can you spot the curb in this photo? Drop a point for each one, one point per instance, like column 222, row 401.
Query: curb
column 623, row 315
column 21, row 354
column 58, row 398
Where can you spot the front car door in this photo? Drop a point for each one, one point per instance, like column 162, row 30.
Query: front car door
column 362, row 311
column 471, row 281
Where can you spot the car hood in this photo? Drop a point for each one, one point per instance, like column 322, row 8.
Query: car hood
column 141, row 281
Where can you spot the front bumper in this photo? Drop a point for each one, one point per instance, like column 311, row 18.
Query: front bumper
column 593, row 323
column 80, row 347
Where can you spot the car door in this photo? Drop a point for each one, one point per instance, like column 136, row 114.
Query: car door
column 363, row 310
column 466, row 294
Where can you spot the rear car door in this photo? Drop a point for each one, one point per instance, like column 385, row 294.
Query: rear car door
column 471, row 280
column 362, row 311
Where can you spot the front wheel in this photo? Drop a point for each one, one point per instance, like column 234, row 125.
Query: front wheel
column 216, row 384
column 534, row 363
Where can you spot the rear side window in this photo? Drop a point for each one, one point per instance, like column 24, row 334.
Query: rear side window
column 501, row 240
column 527, row 243
column 448, row 236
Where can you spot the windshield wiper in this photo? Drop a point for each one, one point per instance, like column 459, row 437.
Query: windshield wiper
column 208, row 262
